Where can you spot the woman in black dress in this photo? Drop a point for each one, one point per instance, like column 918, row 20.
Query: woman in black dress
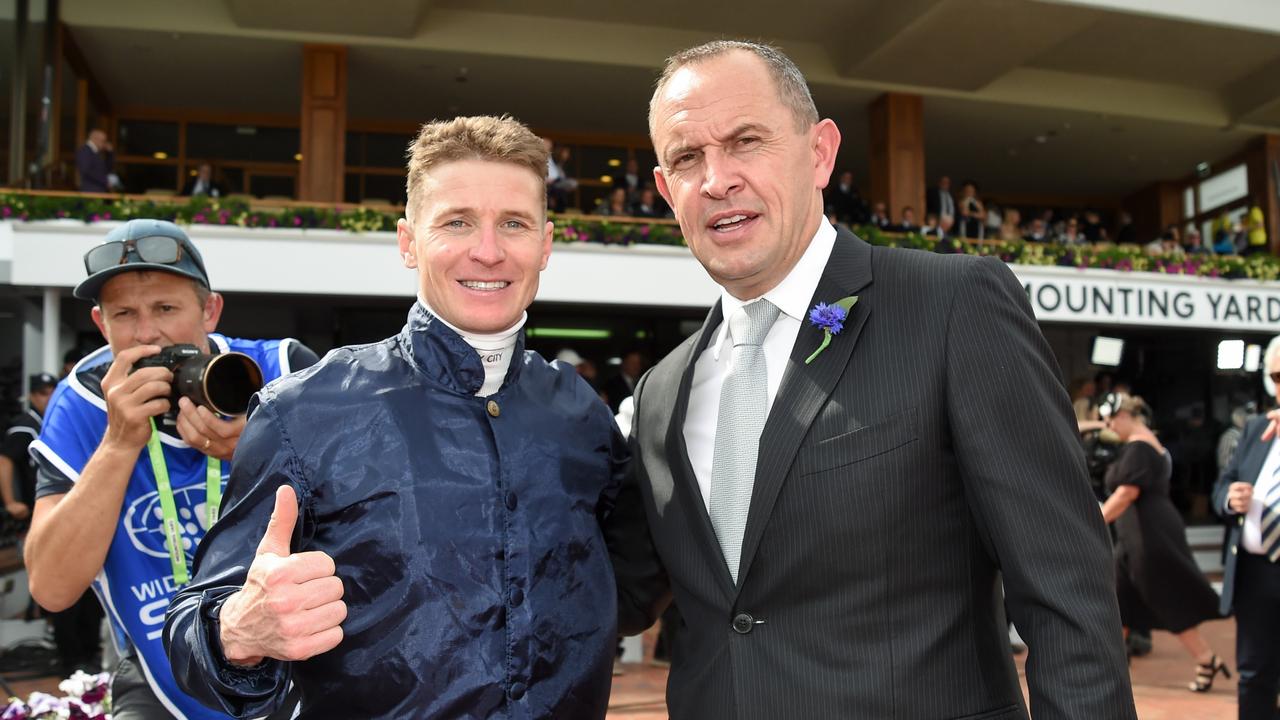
column 1157, row 580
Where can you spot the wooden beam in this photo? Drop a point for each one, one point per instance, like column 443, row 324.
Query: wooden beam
column 208, row 115
column 324, row 122
column 897, row 153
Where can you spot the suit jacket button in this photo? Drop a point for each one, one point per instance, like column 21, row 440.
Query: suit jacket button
column 517, row 691
column 1235, row 549
column 743, row 623
column 492, row 407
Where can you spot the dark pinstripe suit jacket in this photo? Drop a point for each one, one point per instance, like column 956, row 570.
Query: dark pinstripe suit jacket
column 929, row 451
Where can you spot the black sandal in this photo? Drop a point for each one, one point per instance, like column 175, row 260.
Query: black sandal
column 1205, row 675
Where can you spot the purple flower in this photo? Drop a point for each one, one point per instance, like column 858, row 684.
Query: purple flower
column 828, row 317
column 106, row 216
column 297, row 221
column 17, row 710
column 6, row 211
column 198, row 218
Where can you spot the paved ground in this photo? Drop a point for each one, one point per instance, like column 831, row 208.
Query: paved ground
column 1159, row 683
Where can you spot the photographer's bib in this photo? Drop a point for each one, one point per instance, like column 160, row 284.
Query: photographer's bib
column 137, row 579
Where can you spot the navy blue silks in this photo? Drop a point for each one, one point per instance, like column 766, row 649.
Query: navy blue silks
column 465, row 531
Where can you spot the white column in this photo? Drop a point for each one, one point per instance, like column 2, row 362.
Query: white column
column 51, row 359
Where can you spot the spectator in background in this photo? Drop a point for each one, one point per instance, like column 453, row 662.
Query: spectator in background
column 931, row 227
column 585, row 368
column 1083, row 400
column 1071, row 233
column 994, row 220
column 1255, row 232
column 621, row 386
column 1037, row 232
column 1224, row 235
column 560, row 187
column 1169, row 243
column 1125, row 234
column 973, row 215
column 648, row 206
column 203, row 183
column 76, row 629
column 908, row 223
column 940, row 202
column 615, row 205
column 845, row 201
column 630, row 181
column 96, row 162
column 1092, row 227
column 1158, row 582
column 879, row 217
column 1010, row 228
column 1230, row 438
column 1192, row 243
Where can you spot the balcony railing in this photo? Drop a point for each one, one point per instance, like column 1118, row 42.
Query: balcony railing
column 244, row 211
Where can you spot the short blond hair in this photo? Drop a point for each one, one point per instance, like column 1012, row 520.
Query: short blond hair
column 481, row 137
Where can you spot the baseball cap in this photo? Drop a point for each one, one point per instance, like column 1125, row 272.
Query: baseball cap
column 141, row 245
column 40, row 381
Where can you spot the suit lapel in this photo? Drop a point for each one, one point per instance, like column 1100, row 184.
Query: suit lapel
column 805, row 388
column 682, row 470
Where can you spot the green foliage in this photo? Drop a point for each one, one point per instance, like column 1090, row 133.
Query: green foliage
column 21, row 207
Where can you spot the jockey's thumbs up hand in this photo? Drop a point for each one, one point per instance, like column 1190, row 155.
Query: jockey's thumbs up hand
column 290, row 607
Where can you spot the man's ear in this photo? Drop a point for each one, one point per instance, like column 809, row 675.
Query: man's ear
column 404, row 238
column 98, row 320
column 826, row 143
column 212, row 311
column 660, row 182
column 547, row 241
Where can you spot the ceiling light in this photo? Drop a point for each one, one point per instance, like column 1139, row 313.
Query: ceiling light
column 615, row 162
column 606, row 179
column 297, row 156
column 160, row 155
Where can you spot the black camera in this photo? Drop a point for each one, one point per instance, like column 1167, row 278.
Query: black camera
column 223, row 383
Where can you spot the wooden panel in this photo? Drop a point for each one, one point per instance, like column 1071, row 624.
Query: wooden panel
column 897, row 153
column 323, row 123
column 324, row 76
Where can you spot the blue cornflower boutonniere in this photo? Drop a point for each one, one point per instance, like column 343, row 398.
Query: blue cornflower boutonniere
column 831, row 319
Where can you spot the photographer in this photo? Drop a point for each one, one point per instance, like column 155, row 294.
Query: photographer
column 117, row 485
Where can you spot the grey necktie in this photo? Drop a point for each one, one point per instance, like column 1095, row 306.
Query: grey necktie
column 743, row 409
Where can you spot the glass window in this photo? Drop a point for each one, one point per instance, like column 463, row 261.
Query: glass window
column 276, row 185
column 595, row 162
column 355, row 149
column 385, row 150
column 146, row 137
column 242, row 142
column 351, row 188
column 139, row 178
column 384, row 187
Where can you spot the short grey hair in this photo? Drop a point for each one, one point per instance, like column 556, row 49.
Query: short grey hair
column 792, row 89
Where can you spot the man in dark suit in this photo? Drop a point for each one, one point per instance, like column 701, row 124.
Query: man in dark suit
column 95, row 162
column 1248, row 496
column 202, row 183
column 940, row 201
column 835, row 509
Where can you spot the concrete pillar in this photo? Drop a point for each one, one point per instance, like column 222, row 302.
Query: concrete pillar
column 51, row 359
column 897, row 153
column 324, row 123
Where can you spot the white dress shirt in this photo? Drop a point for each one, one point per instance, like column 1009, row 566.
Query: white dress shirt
column 792, row 297
column 1251, row 538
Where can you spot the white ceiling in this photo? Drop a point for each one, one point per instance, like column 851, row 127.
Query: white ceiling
column 1122, row 99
